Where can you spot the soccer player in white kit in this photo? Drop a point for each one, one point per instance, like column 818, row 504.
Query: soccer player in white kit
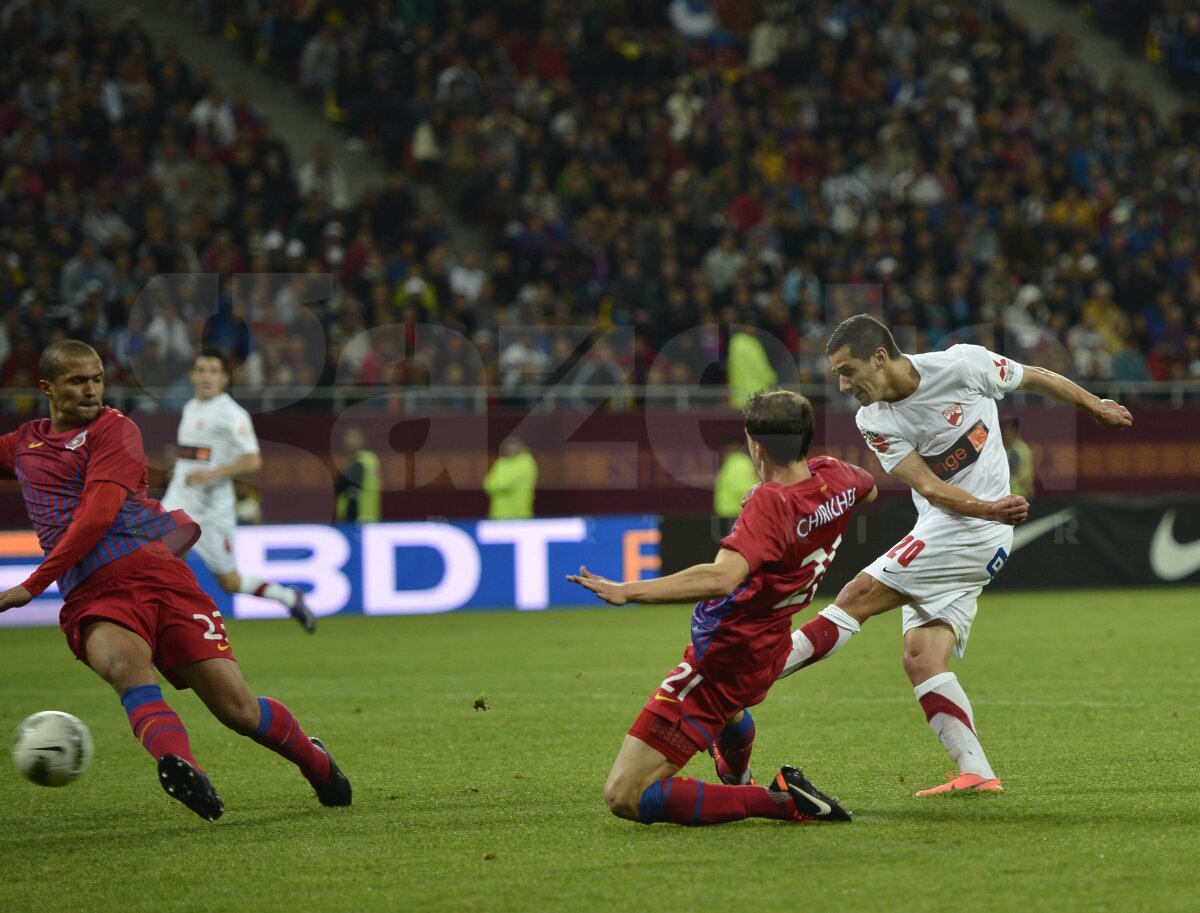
column 215, row 444
column 932, row 421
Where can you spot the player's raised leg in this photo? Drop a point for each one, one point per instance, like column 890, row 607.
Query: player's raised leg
column 219, row 683
column 123, row 659
column 860, row 599
column 732, row 749
column 926, row 661
column 289, row 596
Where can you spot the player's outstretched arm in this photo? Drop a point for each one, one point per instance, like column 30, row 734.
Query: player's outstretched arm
column 914, row 472
column 244, row 465
column 700, row 581
column 14, row 598
column 1106, row 412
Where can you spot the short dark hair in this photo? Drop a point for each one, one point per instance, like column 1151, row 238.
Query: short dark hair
column 783, row 422
column 863, row 334
column 220, row 355
column 56, row 355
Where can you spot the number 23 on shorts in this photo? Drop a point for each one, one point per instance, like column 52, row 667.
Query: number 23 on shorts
column 215, row 627
column 678, row 684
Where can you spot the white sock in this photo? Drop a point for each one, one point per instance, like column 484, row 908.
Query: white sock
column 256, row 586
column 831, row 629
column 949, row 714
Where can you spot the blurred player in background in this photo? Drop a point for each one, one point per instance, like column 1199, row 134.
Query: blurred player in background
column 767, row 569
column 216, row 443
column 130, row 604
column 932, row 421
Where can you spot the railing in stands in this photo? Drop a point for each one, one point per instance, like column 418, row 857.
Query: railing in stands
column 535, row 398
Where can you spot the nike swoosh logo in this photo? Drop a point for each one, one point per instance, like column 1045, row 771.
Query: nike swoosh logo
column 663, row 697
column 1027, row 532
column 36, row 444
column 822, row 808
column 1171, row 559
column 222, row 646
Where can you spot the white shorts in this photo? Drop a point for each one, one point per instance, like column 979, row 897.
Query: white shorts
column 215, row 546
column 942, row 567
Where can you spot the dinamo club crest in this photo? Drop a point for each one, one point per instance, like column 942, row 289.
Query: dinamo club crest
column 953, row 414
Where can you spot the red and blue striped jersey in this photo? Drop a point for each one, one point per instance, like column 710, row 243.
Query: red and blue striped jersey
column 53, row 468
column 788, row 535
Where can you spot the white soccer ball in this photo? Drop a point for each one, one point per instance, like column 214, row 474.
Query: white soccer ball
column 52, row 748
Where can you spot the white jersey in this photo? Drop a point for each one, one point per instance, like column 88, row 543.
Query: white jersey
column 212, row 433
column 951, row 421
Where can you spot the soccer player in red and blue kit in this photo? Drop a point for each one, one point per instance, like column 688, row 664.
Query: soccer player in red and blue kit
column 130, row 603
column 767, row 569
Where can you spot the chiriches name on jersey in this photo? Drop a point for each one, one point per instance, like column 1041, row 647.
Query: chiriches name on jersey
column 835, row 507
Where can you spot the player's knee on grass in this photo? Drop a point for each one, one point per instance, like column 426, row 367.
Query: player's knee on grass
column 623, row 797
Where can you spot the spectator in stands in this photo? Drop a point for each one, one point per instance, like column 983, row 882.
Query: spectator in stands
column 85, row 268
column 748, row 366
column 323, row 177
column 321, row 56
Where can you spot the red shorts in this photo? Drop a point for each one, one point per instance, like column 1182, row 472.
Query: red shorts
column 692, row 705
column 154, row 595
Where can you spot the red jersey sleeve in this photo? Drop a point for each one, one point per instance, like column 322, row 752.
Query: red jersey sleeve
column 760, row 533
column 98, row 507
column 8, row 446
column 116, row 454
column 863, row 481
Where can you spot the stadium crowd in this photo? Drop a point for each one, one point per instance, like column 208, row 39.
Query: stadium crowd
column 1165, row 32
column 680, row 169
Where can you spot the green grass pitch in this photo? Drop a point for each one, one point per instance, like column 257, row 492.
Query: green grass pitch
column 1086, row 701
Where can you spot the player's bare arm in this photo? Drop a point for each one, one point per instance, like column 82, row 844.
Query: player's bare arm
column 14, row 598
column 1106, row 412
column 245, row 465
column 914, row 472
column 700, row 581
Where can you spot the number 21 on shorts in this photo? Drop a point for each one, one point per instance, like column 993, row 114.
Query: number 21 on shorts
column 675, row 682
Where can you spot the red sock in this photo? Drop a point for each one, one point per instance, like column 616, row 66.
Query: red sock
column 825, row 638
column 156, row 725
column 684, row 800
column 279, row 731
column 735, row 743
